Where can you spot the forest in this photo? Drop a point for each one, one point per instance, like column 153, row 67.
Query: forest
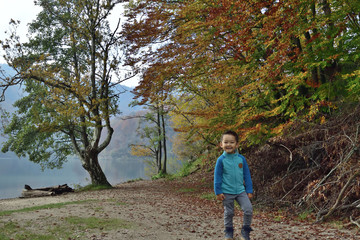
column 282, row 74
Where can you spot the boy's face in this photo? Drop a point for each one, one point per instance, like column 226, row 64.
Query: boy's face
column 228, row 143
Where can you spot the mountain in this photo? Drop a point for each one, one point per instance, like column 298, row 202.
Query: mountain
column 118, row 164
column 116, row 161
column 15, row 92
column 12, row 93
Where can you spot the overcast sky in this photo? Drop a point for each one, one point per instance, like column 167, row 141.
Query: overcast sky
column 26, row 12
column 23, row 10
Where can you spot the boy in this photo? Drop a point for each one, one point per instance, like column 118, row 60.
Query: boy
column 232, row 182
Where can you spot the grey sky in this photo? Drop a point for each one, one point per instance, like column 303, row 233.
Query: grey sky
column 25, row 11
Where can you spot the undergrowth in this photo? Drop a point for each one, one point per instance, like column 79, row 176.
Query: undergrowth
column 92, row 187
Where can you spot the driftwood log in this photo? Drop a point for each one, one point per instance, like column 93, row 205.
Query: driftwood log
column 47, row 191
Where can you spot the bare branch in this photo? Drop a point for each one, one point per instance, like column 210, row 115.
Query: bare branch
column 357, row 222
column 291, row 155
column 340, row 196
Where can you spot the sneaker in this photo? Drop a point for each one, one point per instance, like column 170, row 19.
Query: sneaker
column 229, row 233
column 245, row 233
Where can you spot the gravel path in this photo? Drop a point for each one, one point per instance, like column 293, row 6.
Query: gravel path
column 151, row 210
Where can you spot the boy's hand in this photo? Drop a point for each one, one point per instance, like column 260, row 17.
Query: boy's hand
column 220, row 197
column 250, row 195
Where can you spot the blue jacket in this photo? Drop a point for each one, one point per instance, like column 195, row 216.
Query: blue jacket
column 232, row 175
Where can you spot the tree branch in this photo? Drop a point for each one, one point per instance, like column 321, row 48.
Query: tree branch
column 339, row 198
column 357, row 223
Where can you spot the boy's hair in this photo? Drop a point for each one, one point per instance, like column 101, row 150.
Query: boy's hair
column 229, row 132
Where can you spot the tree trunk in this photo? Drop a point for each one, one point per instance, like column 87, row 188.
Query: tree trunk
column 158, row 123
column 28, row 192
column 158, row 160
column 93, row 167
column 164, row 142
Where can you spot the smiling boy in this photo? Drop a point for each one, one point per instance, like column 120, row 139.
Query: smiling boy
column 232, row 182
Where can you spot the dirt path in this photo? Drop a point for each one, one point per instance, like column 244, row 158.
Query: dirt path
column 151, row 210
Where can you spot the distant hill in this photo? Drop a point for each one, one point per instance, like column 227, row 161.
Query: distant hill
column 16, row 92
column 116, row 161
column 118, row 164
column 12, row 93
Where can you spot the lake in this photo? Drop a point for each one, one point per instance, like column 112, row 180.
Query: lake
column 118, row 165
column 16, row 172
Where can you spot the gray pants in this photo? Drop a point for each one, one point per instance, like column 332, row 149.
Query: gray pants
column 243, row 200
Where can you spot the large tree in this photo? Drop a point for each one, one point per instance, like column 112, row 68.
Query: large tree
column 69, row 69
column 252, row 66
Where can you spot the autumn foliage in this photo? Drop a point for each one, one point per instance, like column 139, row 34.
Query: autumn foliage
column 256, row 67
column 283, row 74
column 251, row 66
